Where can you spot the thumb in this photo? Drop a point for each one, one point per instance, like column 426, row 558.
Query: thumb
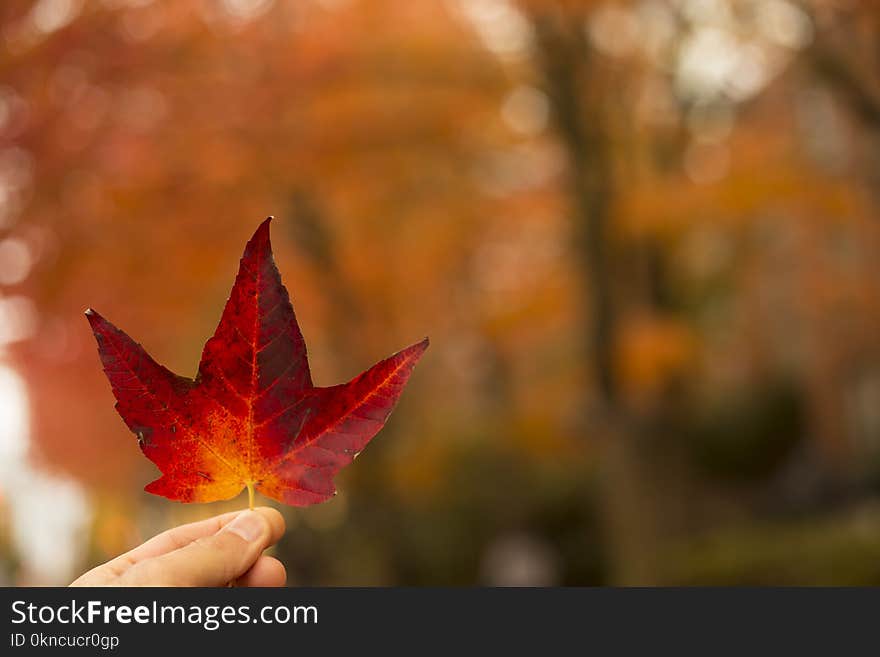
column 209, row 561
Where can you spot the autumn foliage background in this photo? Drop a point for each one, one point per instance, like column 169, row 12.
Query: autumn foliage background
column 643, row 237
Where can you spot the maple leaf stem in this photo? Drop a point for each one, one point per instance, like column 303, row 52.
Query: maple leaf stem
column 250, row 487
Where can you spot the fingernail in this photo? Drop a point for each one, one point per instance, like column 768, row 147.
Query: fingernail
column 248, row 524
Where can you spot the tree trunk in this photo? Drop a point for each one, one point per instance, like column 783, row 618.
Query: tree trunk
column 564, row 59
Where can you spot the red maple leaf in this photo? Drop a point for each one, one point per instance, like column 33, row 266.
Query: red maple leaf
column 251, row 418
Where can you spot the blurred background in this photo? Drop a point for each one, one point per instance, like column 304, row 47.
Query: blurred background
column 643, row 236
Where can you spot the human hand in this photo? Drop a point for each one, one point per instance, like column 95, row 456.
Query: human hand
column 212, row 552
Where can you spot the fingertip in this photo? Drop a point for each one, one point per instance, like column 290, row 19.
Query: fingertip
column 266, row 572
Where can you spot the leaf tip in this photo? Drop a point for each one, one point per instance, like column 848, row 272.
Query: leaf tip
column 420, row 347
column 259, row 241
column 93, row 316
